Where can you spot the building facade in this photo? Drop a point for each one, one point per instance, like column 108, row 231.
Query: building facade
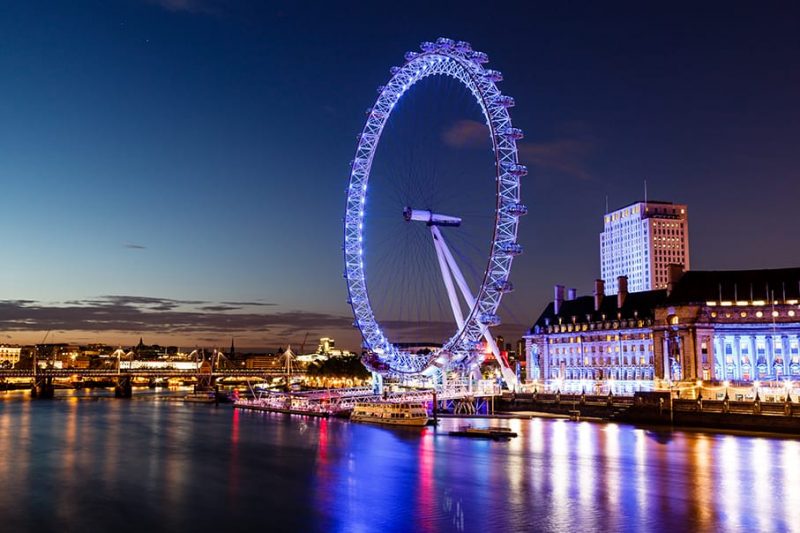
column 737, row 326
column 640, row 241
column 9, row 355
column 598, row 337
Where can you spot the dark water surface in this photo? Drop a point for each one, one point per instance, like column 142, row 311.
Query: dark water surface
column 154, row 465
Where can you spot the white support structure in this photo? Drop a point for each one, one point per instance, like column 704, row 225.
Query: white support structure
column 441, row 254
column 450, row 270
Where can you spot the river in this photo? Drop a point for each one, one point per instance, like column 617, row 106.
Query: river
column 81, row 463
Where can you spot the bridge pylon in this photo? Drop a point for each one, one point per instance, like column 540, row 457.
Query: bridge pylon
column 123, row 388
column 42, row 387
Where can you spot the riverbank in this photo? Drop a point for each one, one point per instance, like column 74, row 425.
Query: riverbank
column 659, row 409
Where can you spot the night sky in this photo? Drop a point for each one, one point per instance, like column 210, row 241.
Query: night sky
column 176, row 169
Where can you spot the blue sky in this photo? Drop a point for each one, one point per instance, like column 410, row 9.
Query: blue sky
column 159, row 158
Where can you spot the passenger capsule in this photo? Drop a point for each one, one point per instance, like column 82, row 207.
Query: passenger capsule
column 427, row 46
column 511, row 248
column 445, row 44
column 515, row 169
column 494, row 75
column 504, row 100
column 410, row 56
column 479, row 57
column 513, row 133
column 516, row 210
column 489, row 319
column 503, row 286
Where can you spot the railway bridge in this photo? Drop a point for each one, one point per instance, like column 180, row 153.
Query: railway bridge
column 42, row 379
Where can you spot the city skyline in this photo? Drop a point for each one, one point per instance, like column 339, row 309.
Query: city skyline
column 175, row 170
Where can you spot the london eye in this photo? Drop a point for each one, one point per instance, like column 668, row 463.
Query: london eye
column 435, row 211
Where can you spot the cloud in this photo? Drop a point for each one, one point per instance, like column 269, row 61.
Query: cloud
column 219, row 308
column 134, row 246
column 566, row 156
column 466, row 134
column 245, row 304
column 200, row 321
column 136, row 314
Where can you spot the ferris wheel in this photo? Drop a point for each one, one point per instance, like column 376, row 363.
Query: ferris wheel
column 474, row 312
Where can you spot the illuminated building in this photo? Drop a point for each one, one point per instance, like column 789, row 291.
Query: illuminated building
column 325, row 350
column 595, row 337
column 640, row 241
column 736, row 326
column 10, row 354
column 740, row 325
column 326, row 344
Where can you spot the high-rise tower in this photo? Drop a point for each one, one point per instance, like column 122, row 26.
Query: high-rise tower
column 640, row 241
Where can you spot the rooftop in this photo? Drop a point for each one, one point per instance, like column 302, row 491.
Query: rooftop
column 637, row 305
column 700, row 286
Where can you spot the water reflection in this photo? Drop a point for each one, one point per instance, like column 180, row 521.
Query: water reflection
column 138, row 465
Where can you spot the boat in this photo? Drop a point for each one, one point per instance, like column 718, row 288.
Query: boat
column 496, row 433
column 284, row 403
column 391, row 413
column 200, row 397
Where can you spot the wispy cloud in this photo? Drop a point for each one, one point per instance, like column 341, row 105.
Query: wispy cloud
column 158, row 315
column 466, row 134
column 201, row 321
column 566, row 156
column 134, row 246
column 248, row 304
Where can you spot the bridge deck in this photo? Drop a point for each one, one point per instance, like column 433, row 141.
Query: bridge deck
column 141, row 372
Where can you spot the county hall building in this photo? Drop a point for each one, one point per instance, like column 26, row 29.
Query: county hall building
column 651, row 320
column 738, row 326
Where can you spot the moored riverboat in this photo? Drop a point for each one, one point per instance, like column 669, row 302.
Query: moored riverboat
column 391, row 413
column 496, row 433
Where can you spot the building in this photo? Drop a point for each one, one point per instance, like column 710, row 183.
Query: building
column 736, row 326
column 9, row 355
column 640, row 241
column 264, row 361
column 595, row 337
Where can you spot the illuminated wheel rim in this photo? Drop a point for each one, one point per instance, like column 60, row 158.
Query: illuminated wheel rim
column 458, row 61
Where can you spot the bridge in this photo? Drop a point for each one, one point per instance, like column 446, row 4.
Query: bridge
column 42, row 379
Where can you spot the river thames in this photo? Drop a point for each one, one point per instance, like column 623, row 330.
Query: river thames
column 147, row 464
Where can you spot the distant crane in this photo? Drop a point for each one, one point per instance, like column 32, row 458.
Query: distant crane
column 303, row 344
column 36, row 351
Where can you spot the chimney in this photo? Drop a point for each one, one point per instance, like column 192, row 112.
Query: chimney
column 674, row 274
column 622, row 291
column 599, row 288
column 558, row 298
column 573, row 293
